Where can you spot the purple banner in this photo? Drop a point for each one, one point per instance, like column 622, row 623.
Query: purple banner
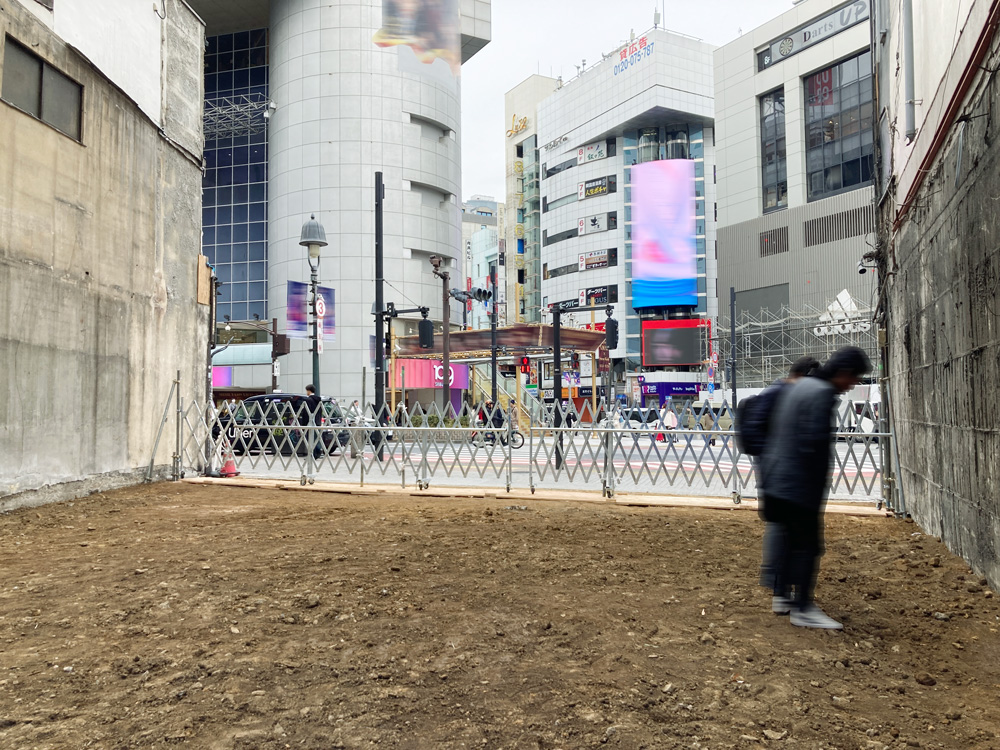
column 296, row 310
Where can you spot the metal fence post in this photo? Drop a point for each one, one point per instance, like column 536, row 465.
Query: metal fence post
column 177, row 444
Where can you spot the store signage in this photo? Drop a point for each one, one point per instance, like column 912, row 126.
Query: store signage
column 517, row 126
column 816, row 31
column 556, row 142
column 598, row 295
column 427, row 373
column 671, row 389
column 592, row 152
column 593, row 259
column 591, row 224
column 632, row 54
column 821, row 88
column 590, row 188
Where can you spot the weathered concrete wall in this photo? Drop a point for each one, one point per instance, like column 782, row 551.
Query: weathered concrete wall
column 944, row 338
column 99, row 245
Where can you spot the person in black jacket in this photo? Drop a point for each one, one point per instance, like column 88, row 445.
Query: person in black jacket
column 774, row 541
column 314, row 409
column 796, row 471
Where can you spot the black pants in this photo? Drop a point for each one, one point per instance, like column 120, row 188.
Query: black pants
column 803, row 545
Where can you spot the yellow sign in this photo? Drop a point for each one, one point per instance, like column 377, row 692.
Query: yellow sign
column 516, row 126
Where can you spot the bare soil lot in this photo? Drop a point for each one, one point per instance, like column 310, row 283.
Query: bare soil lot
column 192, row 616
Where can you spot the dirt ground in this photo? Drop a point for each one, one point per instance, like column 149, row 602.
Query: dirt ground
column 180, row 615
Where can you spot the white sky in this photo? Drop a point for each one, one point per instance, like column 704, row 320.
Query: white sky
column 551, row 37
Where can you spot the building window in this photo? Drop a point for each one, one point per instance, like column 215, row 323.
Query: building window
column 35, row 87
column 839, row 137
column 774, row 179
column 676, row 142
column 649, row 145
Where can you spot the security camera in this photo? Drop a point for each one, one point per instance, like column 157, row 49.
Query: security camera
column 862, row 269
column 435, row 261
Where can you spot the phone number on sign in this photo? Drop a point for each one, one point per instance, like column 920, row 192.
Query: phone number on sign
column 633, row 59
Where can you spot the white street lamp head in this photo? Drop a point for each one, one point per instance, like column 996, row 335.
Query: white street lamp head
column 313, row 237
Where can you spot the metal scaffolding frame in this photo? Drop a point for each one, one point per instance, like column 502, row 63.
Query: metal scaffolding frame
column 229, row 116
column 768, row 342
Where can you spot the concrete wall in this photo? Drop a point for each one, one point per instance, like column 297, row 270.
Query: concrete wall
column 944, row 316
column 99, row 246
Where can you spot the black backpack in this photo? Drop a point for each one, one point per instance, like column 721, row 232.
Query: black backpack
column 751, row 425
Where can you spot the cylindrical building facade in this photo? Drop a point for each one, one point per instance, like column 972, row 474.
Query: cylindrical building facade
column 352, row 98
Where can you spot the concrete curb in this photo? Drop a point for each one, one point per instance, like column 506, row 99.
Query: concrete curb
column 636, row 499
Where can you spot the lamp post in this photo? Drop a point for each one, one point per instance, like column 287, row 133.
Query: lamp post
column 314, row 237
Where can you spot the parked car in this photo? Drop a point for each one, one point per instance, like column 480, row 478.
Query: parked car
column 271, row 423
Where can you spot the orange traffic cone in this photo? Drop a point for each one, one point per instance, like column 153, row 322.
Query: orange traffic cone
column 229, row 464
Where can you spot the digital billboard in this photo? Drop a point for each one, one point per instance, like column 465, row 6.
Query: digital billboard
column 664, row 271
column 674, row 342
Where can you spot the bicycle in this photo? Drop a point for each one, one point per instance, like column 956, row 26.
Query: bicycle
column 490, row 435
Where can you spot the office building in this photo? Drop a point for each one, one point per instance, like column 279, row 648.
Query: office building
column 305, row 103
column 793, row 106
column 648, row 101
column 519, row 258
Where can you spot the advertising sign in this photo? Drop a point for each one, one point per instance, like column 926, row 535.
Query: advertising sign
column 599, row 222
column 431, row 29
column 427, row 373
column 821, row 88
column 327, row 297
column 297, row 310
column 598, row 295
column 592, row 152
column 816, row 31
column 674, row 342
column 590, row 188
column 222, row 377
column 633, row 53
column 664, row 271
column 594, row 259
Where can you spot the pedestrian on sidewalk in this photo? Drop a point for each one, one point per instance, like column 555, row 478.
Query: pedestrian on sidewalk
column 759, row 424
column 796, row 465
column 314, row 408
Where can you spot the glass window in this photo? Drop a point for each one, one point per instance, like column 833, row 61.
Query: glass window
column 774, row 179
column 838, row 127
column 35, row 87
column 676, row 143
column 649, row 145
column 61, row 99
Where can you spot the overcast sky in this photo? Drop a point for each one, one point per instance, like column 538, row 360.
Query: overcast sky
column 551, row 37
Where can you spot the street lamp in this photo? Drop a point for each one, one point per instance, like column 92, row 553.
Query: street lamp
column 314, row 237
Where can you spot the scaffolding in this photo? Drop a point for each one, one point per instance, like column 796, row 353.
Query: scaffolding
column 768, row 342
column 230, row 116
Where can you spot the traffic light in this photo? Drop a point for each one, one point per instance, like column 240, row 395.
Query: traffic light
column 526, row 365
column 425, row 331
column 480, row 295
column 575, row 359
column 611, row 333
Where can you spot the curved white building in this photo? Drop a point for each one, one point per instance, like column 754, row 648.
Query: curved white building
column 350, row 89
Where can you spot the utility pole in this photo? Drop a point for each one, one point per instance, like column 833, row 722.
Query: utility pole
column 379, row 318
column 557, row 383
column 446, row 334
column 732, row 344
column 493, row 335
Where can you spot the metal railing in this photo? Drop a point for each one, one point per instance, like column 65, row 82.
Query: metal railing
column 686, row 449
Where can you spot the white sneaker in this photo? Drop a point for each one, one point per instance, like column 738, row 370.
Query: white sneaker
column 813, row 617
column 780, row 605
